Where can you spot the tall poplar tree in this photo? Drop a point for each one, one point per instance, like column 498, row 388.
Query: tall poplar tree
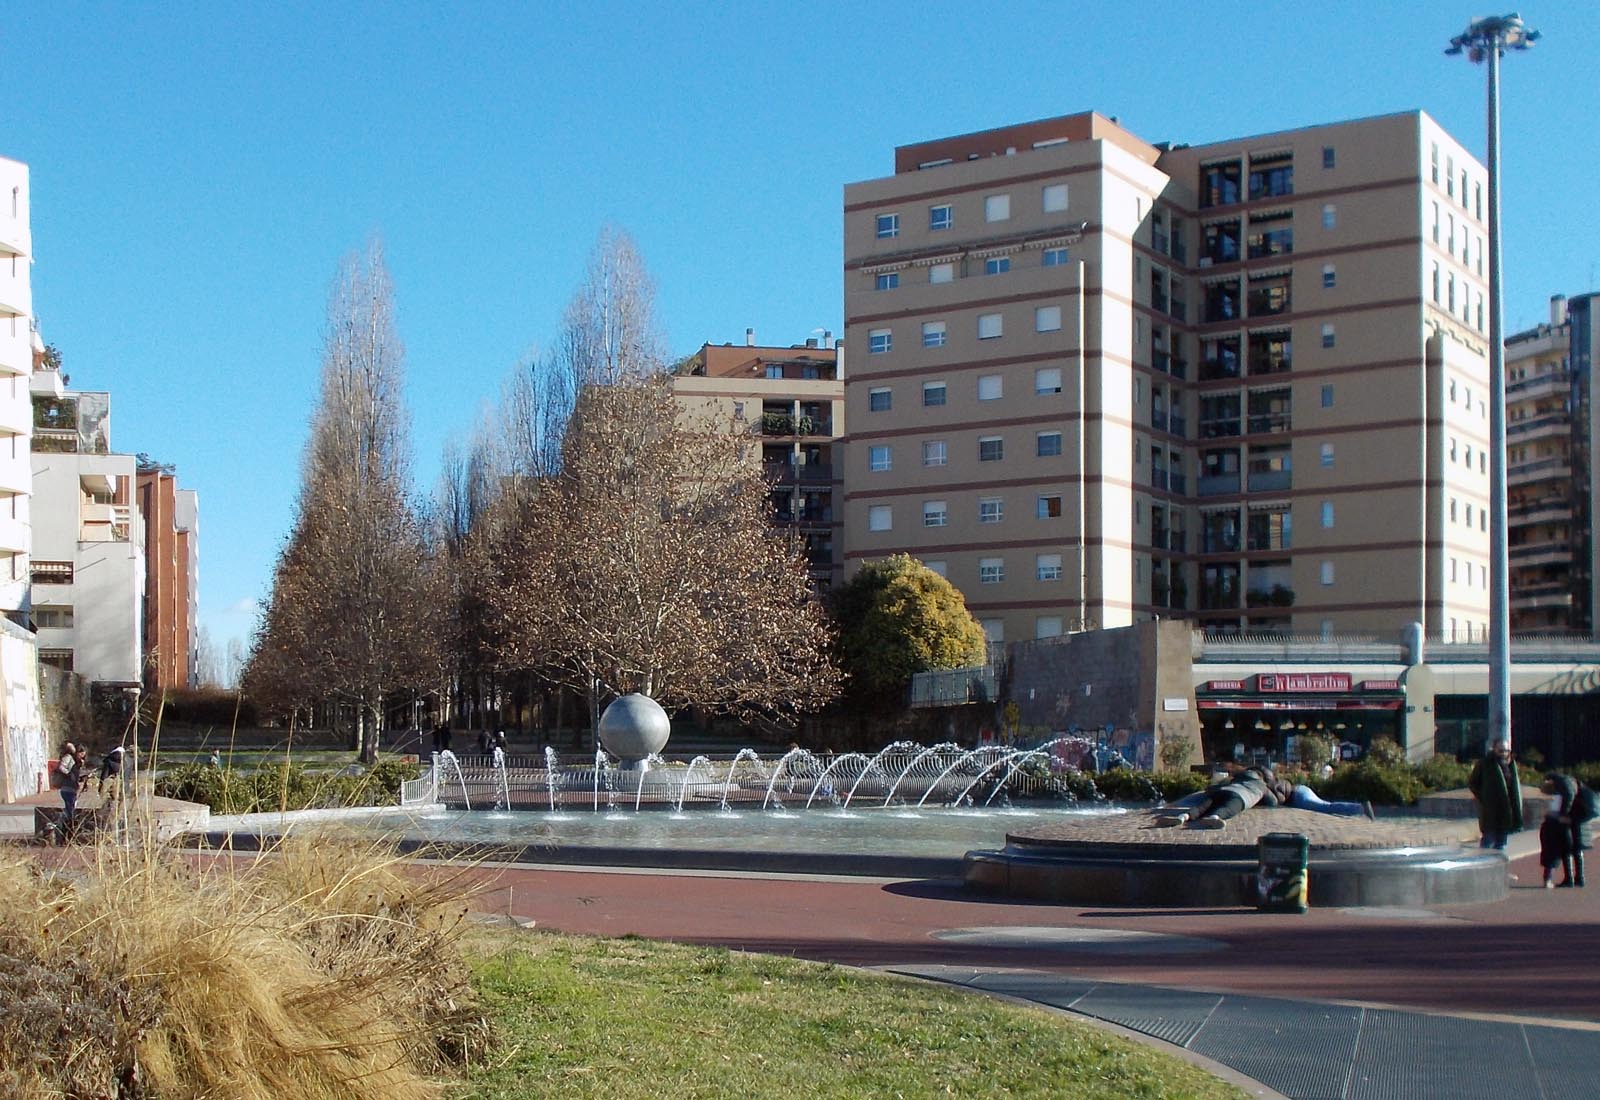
column 351, row 616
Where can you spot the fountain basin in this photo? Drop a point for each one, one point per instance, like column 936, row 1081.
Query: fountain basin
column 1133, row 860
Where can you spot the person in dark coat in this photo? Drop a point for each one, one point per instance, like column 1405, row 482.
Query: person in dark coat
column 1498, row 792
column 1565, row 832
column 69, row 772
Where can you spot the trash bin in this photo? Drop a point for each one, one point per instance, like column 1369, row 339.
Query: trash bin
column 1281, row 878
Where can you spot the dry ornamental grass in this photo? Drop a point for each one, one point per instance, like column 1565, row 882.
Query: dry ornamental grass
column 317, row 970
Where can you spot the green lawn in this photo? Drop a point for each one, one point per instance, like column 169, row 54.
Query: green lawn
column 630, row 1019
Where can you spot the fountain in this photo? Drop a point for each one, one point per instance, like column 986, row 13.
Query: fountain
column 445, row 758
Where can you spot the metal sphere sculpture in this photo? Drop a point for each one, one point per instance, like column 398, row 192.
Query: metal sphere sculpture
column 633, row 727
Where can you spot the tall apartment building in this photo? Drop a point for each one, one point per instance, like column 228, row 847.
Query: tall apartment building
column 19, row 343
column 88, row 569
column 793, row 398
column 1551, row 430
column 1099, row 380
column 171, row 520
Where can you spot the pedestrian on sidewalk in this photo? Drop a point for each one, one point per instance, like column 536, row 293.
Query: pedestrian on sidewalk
column 1498, row 792
column 1567, row 829
column 69, row 773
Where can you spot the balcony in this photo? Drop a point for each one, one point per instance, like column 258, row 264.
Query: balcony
column 1534, row 427
column 1552, row 552
column 1268, row 423
column 1270, row 481
column 1211, row 485
column 1279, row 595
column 1543, row 385
column 1219, row 427
column 1544, row 469
column 1213, row 369
column 1178, row 426
column 1158, row 478
column 1220, row 543
column 1535, row 597
column 1552, row 510
column 785, row 424
column 1158, row 419
column 1219, row 597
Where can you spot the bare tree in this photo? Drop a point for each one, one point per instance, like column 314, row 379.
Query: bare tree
column 647, row 564
column 609, row 332
column 350, row 617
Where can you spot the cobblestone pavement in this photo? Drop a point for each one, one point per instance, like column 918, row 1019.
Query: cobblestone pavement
column 1324, row 830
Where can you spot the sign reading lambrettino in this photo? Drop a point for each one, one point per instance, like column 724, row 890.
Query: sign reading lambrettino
column 1303, row 681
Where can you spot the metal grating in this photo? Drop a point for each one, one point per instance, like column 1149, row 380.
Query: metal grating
column 1409, row 1056
column 1055, row 990
column 1301, row 1049
column 1565, row 1060
column 1174, row 1015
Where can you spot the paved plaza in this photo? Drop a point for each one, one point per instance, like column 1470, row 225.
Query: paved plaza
column 1495, row 1000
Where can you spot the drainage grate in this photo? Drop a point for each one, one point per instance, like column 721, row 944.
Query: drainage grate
column 1408, row 1056
column 1175, row 1015
column 1566, row 1061
column 1301, row 1049
column 1055, row 990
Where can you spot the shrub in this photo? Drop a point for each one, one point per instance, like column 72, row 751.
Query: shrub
column 1370, row 781
column 1442, row 773
column 1386, row 751
column 284, row 786
column 1176, row 753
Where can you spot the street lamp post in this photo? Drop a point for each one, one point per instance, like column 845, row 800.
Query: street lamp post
column 1486, row 40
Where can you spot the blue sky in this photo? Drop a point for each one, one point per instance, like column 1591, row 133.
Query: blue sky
column 198, row 170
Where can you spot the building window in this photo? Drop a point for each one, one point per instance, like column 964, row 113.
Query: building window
column 989, row 387
column 1330, row 279
column 1055, row 198
column 887, row 280
column 1330, row 216
column 997, row 265
column 1047, row 319
column 1327, row 156
column 991, row 448
column 934, row 334
column 933, row 453
column 1436, row 282
column 1452, row 509
column 1483, row 525
column 1327, row 454
column 880, row 399
column 991, row 510
column 1453, row 571
column 879, row 340
column 990, row 326
column 1047, row 380
column 997, row 208
column 1047, row 444
column 1469, row 515
column 991, row 570
column 937, row 566
column 941, row 217
column 942, row 273
column 888, row 226
column 878, row 458
column 880, row 517
column 993, row 629
column 1433, row 162
column 53, row 617
column 1047, row 567
column 1054, row 257
column 1327, row 396
column 1048, row 506
column 934, row 513
column 1327, row 572
column 1327, row 335
column 933, row 394
column 1327, row 513
column 1047, row 626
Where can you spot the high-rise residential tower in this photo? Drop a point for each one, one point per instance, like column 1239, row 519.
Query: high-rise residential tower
column 1551, row 426
column 19, row 346
column 1097, row 380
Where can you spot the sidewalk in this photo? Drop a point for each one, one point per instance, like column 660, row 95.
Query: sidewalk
column 1493, row 1000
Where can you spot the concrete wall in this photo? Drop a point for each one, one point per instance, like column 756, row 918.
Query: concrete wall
column 22, row 737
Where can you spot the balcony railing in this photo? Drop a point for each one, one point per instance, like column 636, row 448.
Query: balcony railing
column 1279, row 595
column 1270, row 481
column 1178, row 483
column 1535, row 424
column 1177, row 425
column 1158, row 478
column 784, row 424
column 1210, row 485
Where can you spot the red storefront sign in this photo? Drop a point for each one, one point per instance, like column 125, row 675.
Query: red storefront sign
column 1303, row 681
column 1380, row 685
column 1223, row 685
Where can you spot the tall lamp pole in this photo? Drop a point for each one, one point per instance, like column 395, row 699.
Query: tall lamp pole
column 1486, row 40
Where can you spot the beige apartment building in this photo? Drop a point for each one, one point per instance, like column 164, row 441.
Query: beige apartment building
column 1096, row 380
column 793, row 399
column 1550, row 469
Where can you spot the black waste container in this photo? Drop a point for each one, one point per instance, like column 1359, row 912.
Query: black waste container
column 1281, row 878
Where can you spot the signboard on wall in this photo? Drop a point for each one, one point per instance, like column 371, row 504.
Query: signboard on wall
column 1303, row 681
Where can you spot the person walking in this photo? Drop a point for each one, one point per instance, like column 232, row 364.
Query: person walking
column 1567, row 829
column 111, row 774
column 69, row 772
column 1498, row 792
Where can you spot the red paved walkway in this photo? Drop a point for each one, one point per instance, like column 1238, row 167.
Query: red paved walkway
column 1535, row 954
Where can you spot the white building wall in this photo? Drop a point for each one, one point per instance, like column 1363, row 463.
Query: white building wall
column 17, row 342
column 107, row 588
column 22, row 736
